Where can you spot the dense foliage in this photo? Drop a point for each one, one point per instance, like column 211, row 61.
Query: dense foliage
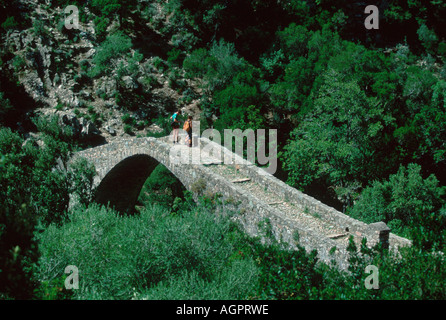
column 361, row 119
column 35, row 186
column 194, row 254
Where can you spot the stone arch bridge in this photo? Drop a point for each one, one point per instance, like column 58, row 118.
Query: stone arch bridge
column 123, row 165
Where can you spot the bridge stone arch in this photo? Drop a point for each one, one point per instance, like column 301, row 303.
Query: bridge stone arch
column 123, row 165
column 121, row 186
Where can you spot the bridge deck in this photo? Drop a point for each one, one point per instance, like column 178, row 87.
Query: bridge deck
column 277, row 201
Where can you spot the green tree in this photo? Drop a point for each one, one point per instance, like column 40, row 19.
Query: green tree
column 408, row 203
column 153, row 254
column 115, row 46
column 291, row 93
column 34, row 192
column 216, row 66
column 428, row 38
column 240, row 93
column 338, row 143
column 5, row 107
column 161, row 188
column 10, row 23
column 293, row 41
column 107, row 7
column 421, row 118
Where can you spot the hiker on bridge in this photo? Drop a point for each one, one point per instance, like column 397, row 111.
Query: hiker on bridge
column 175, row 125
column 188, row 128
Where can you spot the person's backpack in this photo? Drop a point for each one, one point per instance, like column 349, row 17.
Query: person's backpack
column 186, row 126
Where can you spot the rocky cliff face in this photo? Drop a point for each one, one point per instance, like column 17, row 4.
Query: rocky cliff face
column 53, row 66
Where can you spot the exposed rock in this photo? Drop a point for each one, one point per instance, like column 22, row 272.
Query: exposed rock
column 33, row 139
column 88, row 128
column 129, row 83
column 55, row 74
column 13, row 41
column 155, row 128
column 110, row 130
column 33, row 85
column 106, row 85
column 82, row 128
column 89, row 54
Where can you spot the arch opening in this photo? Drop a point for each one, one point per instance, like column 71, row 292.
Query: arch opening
column 121, row 186
column 162, row 187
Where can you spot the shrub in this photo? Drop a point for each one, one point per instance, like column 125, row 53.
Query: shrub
column 128, row 119
column 17, row 246
column 427, row 37
column 217, row 67
column 200, row 255
column 106, row 7
column 158, row 63
column 152, row 254
column 175, row 57
column 101, row 24
column 18, row 63
column 128, row 129
column 34, row 192
column 5, row 107
column 407, row 202
column 113, row 47
column 81, row 174
column 161, row 188
column 10, row 23
column 84, row 65
column 442, row 49
column 232, row 283
column 39, row 28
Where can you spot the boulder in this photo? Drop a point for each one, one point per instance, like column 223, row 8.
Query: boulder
column 129, row 83
column 82, row 128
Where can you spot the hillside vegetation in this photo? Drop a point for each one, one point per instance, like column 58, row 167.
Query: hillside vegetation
column 361, row 120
